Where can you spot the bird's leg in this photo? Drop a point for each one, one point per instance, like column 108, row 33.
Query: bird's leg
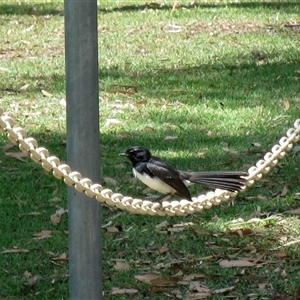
column 161, row 198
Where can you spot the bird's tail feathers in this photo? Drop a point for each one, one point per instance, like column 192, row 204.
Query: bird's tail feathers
column 225, row 180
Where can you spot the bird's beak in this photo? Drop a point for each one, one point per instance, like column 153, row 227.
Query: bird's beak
column 123, row 154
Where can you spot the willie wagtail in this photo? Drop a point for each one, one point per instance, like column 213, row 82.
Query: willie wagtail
column 164, row 178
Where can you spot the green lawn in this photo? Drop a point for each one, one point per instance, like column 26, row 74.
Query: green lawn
column 221, row 79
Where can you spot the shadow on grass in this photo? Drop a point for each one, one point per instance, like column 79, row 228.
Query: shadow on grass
column 163, row 6
column 216, row 81
column 55, row 8
column 243, row 79
column 36, row 9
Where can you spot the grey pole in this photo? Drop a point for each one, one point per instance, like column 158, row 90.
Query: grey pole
column 83, row 147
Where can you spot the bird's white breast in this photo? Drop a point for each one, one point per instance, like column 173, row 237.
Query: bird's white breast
column 154, row 183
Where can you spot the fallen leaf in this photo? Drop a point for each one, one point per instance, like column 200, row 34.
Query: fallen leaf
column 32, row 282
column 286, row 104
column 283, row 274
column 284, row 191
column 147, row 191
column 121, row 136
column 126, row 86
column 197, row 296
column 280, row 254
column 62, row 258
column 161, row 225
column 148, row 128
column 293, row 211
column 263, row 286
column 120, row 166
column 109, row 180
column 113, row 229
column 236, row 263
column 27, row 274
column 224, row 290
column 120, row 265
column 200, row 232
column 31, row 114
column 63, row 102
column 29, row 104
column 111, row 121
column 198, row 287
column 55, row 199
column 162, row 250
column 7, row 146
column 46, row 94
column 31, row 27
column 186, row 224
column 9, row 170
column 255, row 144
column 260, row 197
column 56, row 217
column 177, row 294
column 230, row 150
column 33, row 213
column 241, row 232
column 175, row 229
column 44, row 234
column 24, row 87
column 193, row 276
column 31, row 124
column 17, row 155
column 140, row 103
column 116, row 291
column 123, row 92
column 164, row 281
column 201, row 154
column 147, row 278
column 15, row 251
column 283, row 238
column 170, row 138
column 174, row 28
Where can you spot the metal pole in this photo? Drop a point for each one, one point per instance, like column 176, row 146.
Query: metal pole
column 83, row 147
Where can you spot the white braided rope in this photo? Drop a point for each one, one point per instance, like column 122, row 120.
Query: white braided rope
column 18, row 136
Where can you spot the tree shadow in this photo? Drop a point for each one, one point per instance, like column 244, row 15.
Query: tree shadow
column 212, row 81
column 36, row 9
column 166, row 6
column 235, row 78
column 40, row 9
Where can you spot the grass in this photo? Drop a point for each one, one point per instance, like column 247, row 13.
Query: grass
column 218, row 76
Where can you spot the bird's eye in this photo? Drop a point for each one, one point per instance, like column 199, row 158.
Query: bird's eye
column 139, row 155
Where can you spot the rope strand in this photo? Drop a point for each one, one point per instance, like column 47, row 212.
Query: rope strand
column 40, row 155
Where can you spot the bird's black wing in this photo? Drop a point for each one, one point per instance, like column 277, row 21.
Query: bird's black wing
column 169, row 175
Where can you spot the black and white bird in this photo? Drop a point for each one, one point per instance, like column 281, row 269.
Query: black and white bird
column 164, row 178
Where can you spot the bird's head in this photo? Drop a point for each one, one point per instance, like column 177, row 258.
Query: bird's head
column 137, row 154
